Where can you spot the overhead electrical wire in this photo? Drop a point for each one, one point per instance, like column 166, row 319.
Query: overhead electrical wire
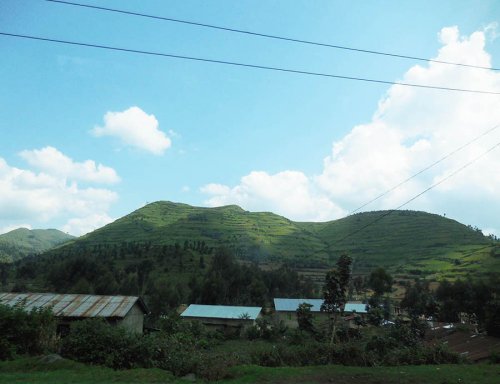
column 268, row 36
column 426, row 168
column 245, row 65
column 385, row 214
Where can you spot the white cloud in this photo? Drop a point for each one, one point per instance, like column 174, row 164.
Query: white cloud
column 28, row 196
column 134, row 128
column 287, row 193
column 53, row 162
column 410, row 129
column 82, row 225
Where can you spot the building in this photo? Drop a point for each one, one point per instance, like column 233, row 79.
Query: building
column 125, row 311
column 222, row 316
column 355, row 307
column 286, row 309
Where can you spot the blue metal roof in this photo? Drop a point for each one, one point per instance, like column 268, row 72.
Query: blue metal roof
column 221, row 311
column 293, row 304
column 355, row 307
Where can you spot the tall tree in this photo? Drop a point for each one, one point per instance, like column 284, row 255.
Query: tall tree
column 335, row 292
column 380, row 281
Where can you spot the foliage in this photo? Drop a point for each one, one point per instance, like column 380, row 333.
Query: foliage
column 25, row 332
column 94, row 341
column 335, row 291
column 419, row 300
column 305, row 317
column 380, row 281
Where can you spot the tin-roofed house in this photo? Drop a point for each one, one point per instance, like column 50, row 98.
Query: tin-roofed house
column 286, row 310
column 352, row 311
column 222, row 316
column 125, row 311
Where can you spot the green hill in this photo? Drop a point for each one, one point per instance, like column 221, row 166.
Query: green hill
column 404, row 242
column 22, row 242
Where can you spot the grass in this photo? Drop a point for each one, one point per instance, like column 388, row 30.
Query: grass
column 431, row 374
column 34, row 370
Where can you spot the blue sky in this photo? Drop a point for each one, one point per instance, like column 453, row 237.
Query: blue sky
column 90, row 135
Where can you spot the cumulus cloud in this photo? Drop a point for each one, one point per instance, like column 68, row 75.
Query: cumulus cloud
column 53, row 162
column 411, row 128
column 37, row 197
column 134, row 128
column 288, row 193
column 83, row 225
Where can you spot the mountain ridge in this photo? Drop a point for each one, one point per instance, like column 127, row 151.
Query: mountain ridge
column 397, row 240
column 22, row 242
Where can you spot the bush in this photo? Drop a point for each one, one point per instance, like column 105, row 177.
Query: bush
column 94, row 341
column 216, row 366
column 23, row 332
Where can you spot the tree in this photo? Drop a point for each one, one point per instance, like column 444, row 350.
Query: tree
column 418, row 300
column 380, row 281
column 335, row 292
column 305, row 317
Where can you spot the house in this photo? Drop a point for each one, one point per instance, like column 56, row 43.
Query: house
column 125, row 311
column 222, row 316
column 355, row 307
column 286, row 309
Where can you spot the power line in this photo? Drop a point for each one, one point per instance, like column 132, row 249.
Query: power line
column 254, row 66
column 268, row 36
column 426, row 168
column 420, row 194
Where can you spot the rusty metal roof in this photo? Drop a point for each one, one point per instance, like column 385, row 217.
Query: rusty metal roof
column 72, row 305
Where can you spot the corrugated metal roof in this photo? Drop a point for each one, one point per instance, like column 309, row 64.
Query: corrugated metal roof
column 292, row 304
column 221, row 311
column 72, row 305
column 355, row 307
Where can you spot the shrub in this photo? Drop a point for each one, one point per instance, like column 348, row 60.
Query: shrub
column 23, row 332
column 94, row 341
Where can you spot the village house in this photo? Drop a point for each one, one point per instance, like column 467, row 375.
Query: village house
column 286, row 310
column 125, row 311
column 222, row 316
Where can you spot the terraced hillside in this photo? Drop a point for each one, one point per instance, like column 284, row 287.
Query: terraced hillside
column 405, row 242
column 260, row 236
column 408, row 242
column 22, row 242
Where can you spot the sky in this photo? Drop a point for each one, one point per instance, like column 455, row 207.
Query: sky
column 89, row 135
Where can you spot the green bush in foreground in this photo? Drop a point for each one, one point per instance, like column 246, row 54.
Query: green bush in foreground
column 94, row 341
column 23, row 332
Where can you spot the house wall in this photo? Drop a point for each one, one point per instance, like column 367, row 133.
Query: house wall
column 215, row 323
column 134, row 320
column 290, row 317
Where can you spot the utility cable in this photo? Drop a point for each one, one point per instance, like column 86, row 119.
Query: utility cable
column 419, row 194
column 268, row 36
column 232, row 63
column 425, row 169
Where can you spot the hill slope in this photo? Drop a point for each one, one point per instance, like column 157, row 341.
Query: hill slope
column 402, row 241
column 22, row 242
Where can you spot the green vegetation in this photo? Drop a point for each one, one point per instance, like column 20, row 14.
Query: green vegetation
column 23, row 242
column 37, row 370
column 406, row 243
